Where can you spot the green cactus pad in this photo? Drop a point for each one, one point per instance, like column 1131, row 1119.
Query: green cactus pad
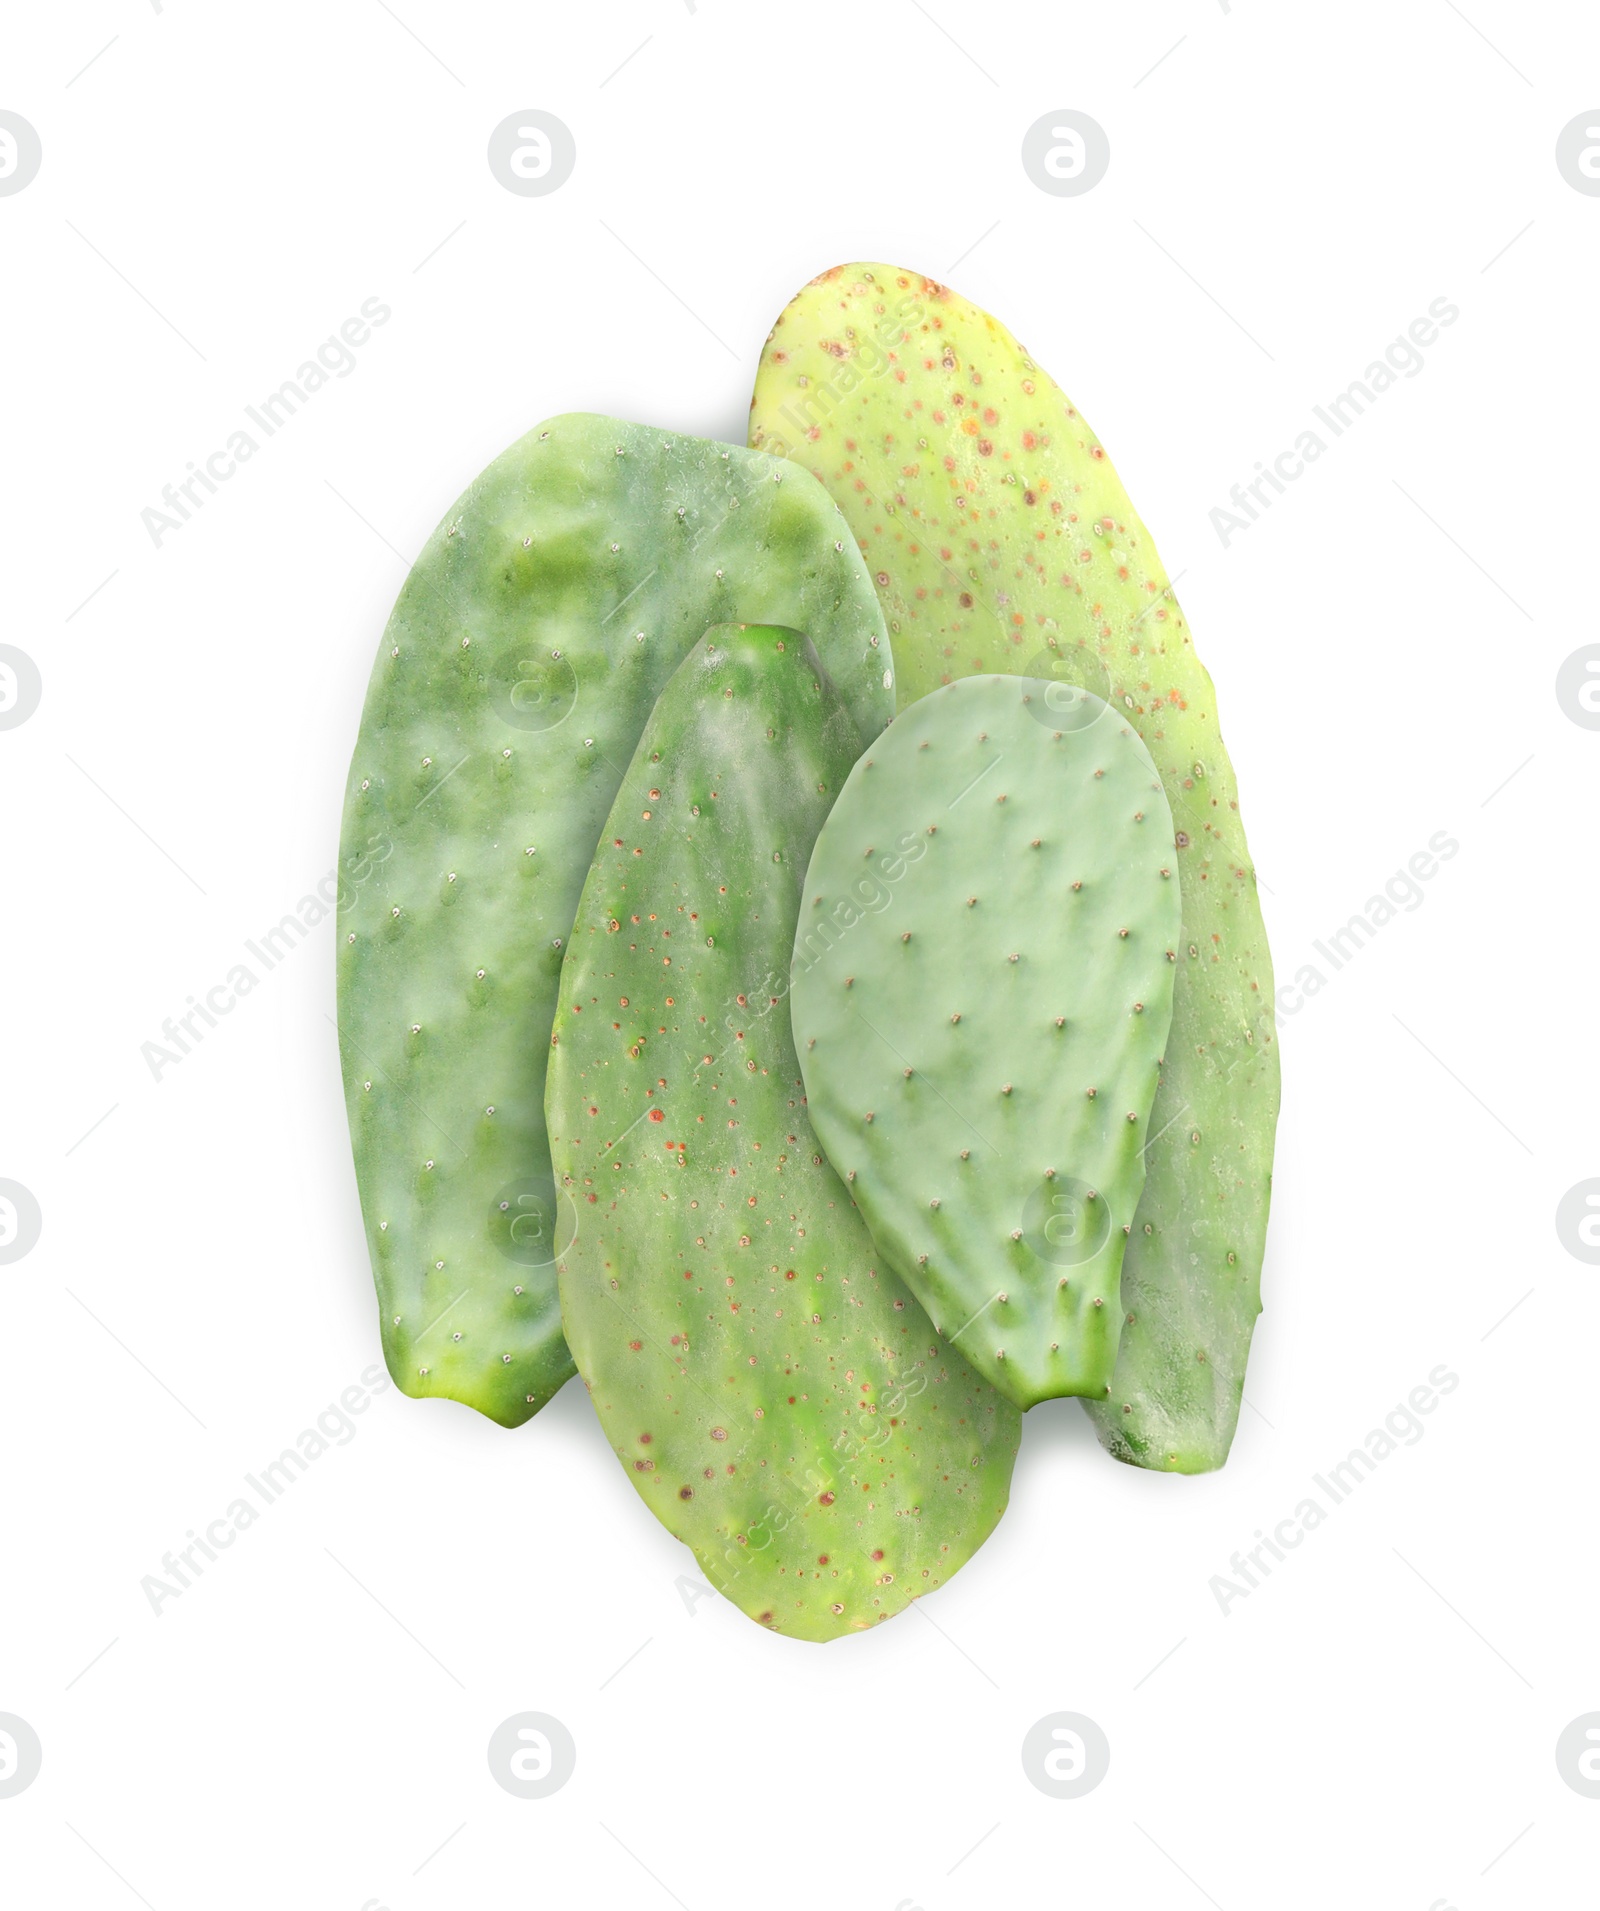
column 773, row 1390
column 982, row 990
column 524, row 653
column 1000, row 539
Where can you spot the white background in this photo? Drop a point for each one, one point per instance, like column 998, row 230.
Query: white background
column 1288, row 189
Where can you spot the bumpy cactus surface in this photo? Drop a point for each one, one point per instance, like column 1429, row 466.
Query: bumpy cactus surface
column 524, row 653
column 982, row 990
column 774, row 1391
column 1001, row 539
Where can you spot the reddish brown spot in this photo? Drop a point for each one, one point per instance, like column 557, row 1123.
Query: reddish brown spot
column 824, row 1499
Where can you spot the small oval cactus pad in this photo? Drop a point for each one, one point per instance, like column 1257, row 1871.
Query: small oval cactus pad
column 771, row 1387
column 525, row 651
column 1001, row 539
column 981, row 994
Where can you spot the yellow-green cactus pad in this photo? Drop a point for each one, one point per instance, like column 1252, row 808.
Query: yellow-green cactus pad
column 1000, row 539
column 773, row 1389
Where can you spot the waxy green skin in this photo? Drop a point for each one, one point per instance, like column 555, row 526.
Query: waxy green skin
column 525, row 651
column 1001, row 539
column 982, row 989
column 774, row 1391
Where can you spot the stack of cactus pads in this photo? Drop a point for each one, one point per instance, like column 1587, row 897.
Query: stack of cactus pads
column 799, row 961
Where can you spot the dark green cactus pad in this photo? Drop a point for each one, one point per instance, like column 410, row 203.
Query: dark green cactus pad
column 524, row 653
column 1001, row 539
column 982, row 991
column 774, row 1391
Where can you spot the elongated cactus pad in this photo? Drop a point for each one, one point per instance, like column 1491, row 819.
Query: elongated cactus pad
column 1000, row 539
column 982, row 990
column 774, row 1391
column 520, row 662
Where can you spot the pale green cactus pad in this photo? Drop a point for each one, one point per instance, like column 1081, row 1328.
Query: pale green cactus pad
column 774, row 1391
column 982, row 990
column 526, row 650
column 1000, row 539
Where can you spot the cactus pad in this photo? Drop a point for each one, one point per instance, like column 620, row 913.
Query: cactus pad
column 524, row 653
column 774, row 1391
column 1001, row 539
column 981, row 996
